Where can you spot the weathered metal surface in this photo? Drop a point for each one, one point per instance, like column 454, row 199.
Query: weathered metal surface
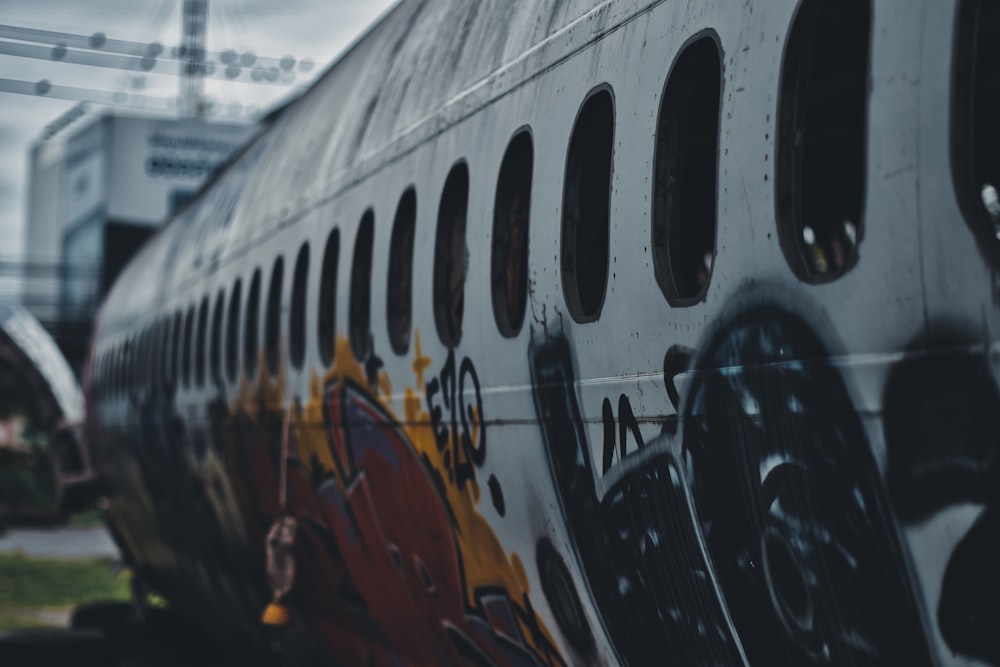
column 783, row 471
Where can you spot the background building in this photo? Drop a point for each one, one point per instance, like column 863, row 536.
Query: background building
column 96, row 195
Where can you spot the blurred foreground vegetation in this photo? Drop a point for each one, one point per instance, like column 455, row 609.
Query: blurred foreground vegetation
column 27, row 479
column 40, row 592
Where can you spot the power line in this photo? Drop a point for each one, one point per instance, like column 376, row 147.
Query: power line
column 141, row 64
column 99, row 42
column 45, row 88
column 133, row 100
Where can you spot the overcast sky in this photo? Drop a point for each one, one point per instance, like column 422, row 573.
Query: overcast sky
column 307, row 30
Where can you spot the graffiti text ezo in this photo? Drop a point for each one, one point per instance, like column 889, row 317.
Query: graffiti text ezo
column 456, row 418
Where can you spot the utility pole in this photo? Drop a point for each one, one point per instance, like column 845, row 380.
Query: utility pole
column 193, row 22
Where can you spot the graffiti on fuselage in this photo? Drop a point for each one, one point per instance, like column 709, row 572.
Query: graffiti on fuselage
column 454, row 420
column 754, row 525
column 397, row 564
column 941, row 419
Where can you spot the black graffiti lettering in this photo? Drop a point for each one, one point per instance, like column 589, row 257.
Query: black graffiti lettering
column 446, row 393
column 432, row 389
column 472, row 413
column 448, row 381
column 627, row 423
column 609, row 435
column 766, row 489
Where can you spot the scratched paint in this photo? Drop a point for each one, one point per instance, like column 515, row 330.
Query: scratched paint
column 780, row 472
column 389, row 521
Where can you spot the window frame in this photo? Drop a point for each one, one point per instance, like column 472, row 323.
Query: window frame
column 326, row 322
column 510, row 177
column 569, row 241
column 797, row 74
column 360, row 298
column 664, row 227
column 449, row 311
column 297, row 309
column 399, row 284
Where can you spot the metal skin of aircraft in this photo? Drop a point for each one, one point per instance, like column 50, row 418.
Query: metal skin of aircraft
column 583, row 333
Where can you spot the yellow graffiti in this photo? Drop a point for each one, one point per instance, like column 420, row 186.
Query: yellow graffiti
column 486, row 564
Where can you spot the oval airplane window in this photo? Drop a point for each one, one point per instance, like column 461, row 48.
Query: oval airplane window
column 200, row 339
column 115, row 366
column 142, row 361
column 509, row 255
column 164, row 350
column 148, row 353
column 123, row 371
column 215, row 355
column 587, row 207
column 975, row 132
column 137, row 359
column 250, row 328
column 233, row 332
column 175, row 349
column 98, row 381
column 399, row 290
column 187, row 346
column 684, row 195
column 297, row 316
column 327, row 321
column 136, row 364
column 272, row 323
column 126, row 359
column 359, row 319
column 820, row 165
column 451, row 256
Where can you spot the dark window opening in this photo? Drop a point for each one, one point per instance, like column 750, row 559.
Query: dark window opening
column 359, row 319
column 975, row 128
column 272, row 327
column 113, row 372
column 175, row 349
column 250, row 334
column 233, row 332
column 820, row 170
column 684, row 197
column 138, row 358
column 451, row 256
column 215, row 354
column 126, row 359
column 587, row 207
column 199, row 349
column 297, row 317
column 511, row 215
column 131, row 371
column 399, row 291
column 130, row 363
column 164, row 350
column 186, row 347
column 97, row 375
column 327, row 325
column 148, row 354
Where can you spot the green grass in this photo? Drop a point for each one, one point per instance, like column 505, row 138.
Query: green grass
column 86, row 519
column 29, row 585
